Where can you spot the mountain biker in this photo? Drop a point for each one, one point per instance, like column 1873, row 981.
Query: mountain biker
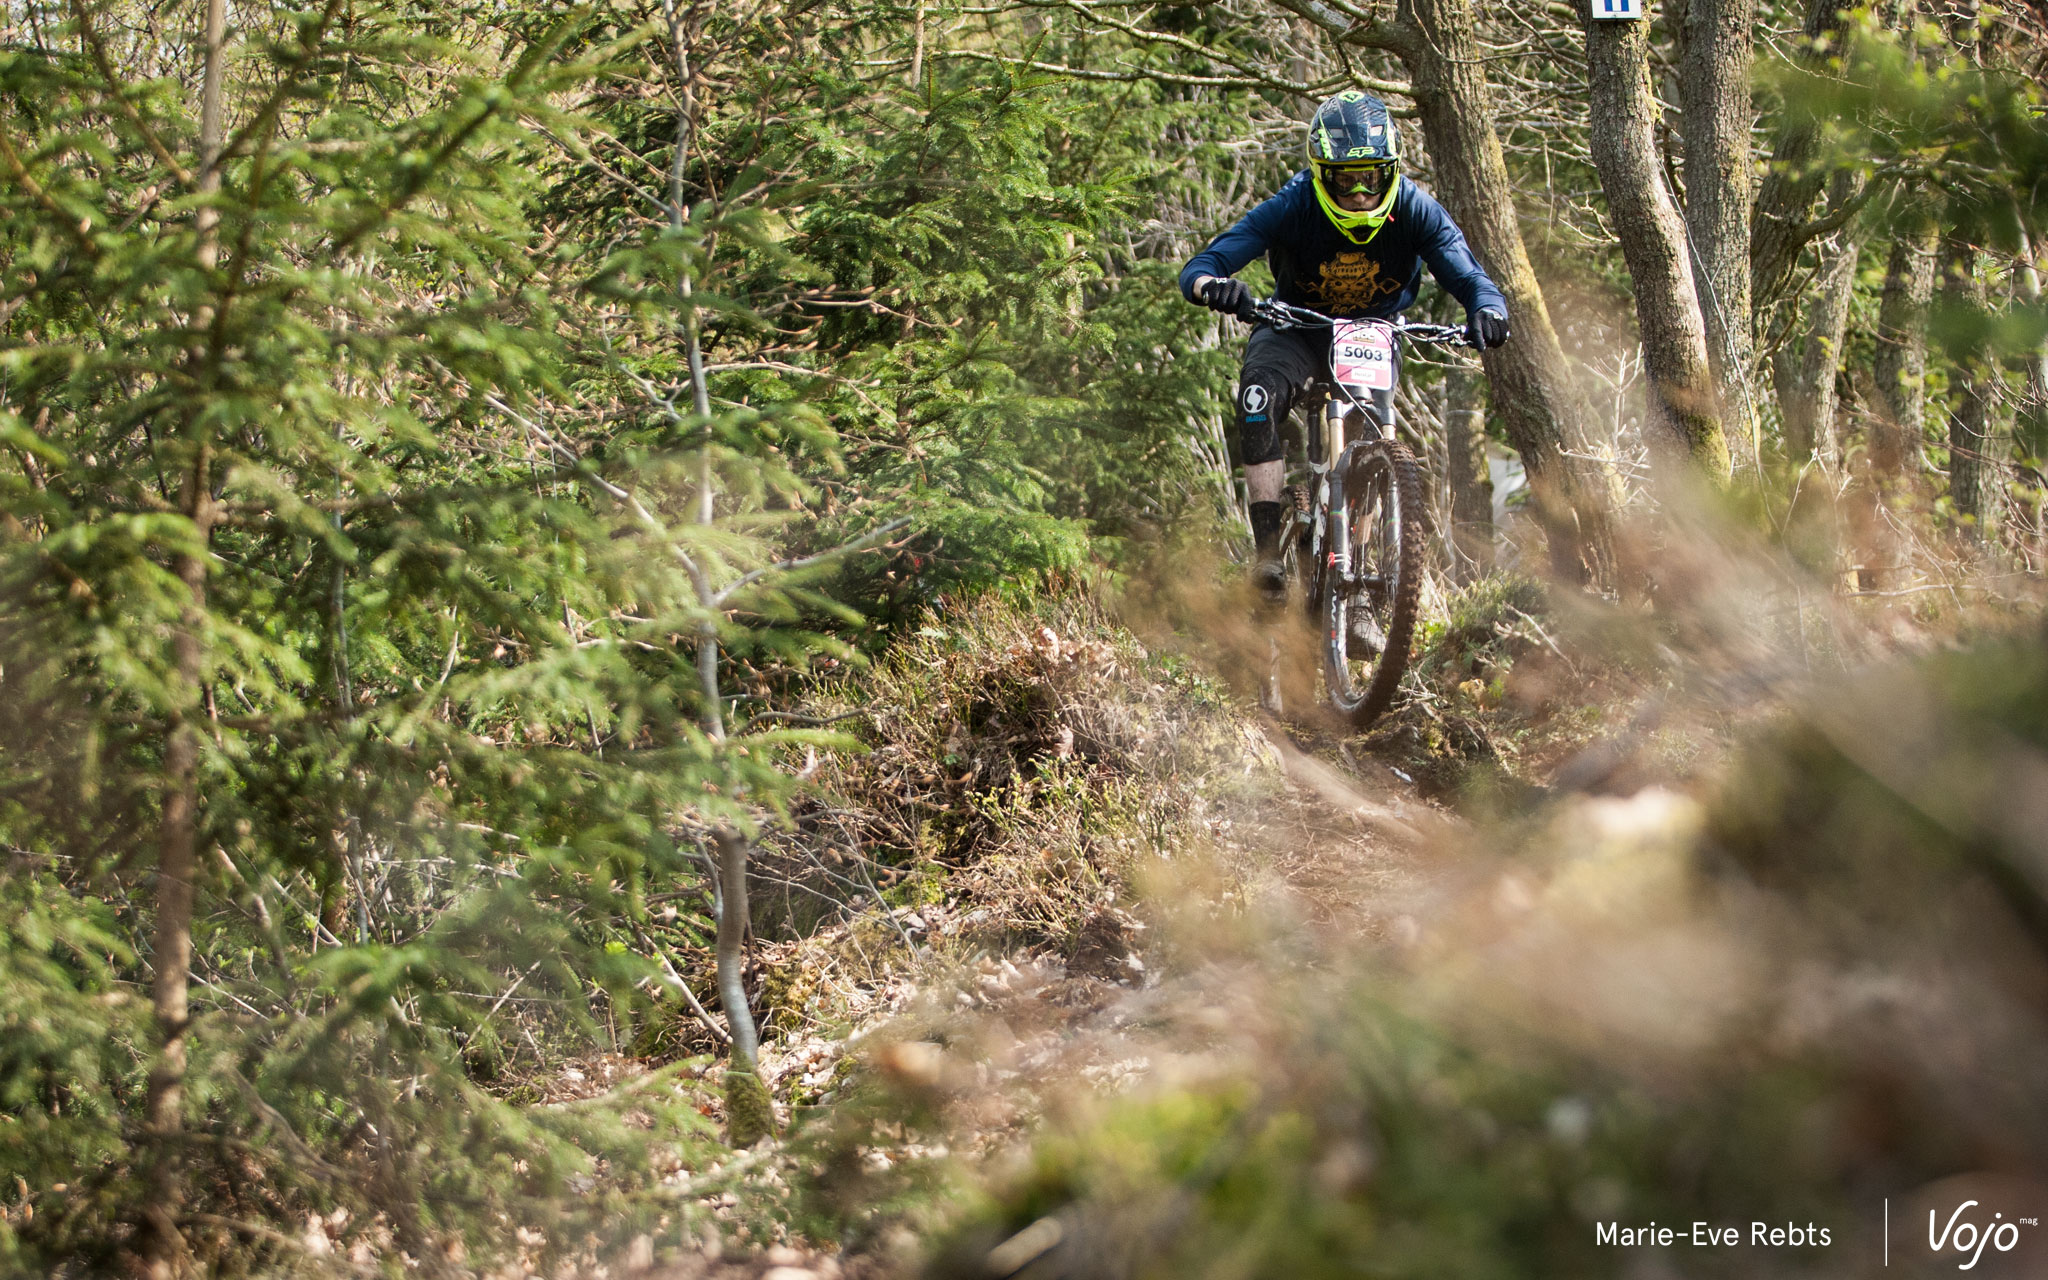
column 1346, row 236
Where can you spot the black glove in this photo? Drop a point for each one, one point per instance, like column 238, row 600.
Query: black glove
column 1231, row 297
column 1486, row 327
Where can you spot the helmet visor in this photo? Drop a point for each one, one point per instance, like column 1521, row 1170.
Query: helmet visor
column 1357, row 179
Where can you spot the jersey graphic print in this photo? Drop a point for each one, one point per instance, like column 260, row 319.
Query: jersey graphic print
column 1316, row 265
column 1352, row 282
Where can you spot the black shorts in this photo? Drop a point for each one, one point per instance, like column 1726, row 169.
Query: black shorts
column 1279, row 365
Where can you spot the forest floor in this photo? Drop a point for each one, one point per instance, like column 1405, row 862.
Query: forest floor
column 1166, row 981
column 1066, row 897
column 1097, row 874
column 1070, row 964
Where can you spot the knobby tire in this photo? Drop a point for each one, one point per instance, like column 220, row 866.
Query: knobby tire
column 1388, row 472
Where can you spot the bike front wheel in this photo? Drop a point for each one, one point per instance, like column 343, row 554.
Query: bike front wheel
column 1369, row 604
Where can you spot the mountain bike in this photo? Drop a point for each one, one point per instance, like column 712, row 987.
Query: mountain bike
column 1352, row 542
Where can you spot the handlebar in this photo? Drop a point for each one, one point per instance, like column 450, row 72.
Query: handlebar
column 1285, row 315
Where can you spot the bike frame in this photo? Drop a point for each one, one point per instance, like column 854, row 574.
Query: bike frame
column 1335, row 442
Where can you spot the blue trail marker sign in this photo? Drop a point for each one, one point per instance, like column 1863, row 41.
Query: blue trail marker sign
column 1609, row 10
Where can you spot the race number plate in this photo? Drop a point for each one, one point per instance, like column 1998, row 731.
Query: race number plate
column 1362, row 354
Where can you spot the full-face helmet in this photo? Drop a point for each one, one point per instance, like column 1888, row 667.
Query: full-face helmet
column 1355, row 150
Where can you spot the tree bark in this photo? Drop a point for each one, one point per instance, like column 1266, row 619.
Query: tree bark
column 1898, row 404
column 1806, row 389
column 1646, row 221
column 163, row 1249
column 2032, row 425
column 1471, row 483
column 1972, row 470
column 733, row 914
column 161, row 1245
column 1539, row 409
column 1713, row 91
column 1899, row 366
column 2035, row 419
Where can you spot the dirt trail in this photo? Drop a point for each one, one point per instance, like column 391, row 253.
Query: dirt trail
column 1355, row 849
column 1322, row 861
column 1298, row 889
column 1290, row 854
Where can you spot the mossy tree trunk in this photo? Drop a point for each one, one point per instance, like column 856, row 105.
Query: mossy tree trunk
column 2030, row 429
column 1806, row 385
column 1683, row 399
column 1541, row 412
column 1899, row 362
column 1972, row 467
column 749, row 1113
column 1713, row 90
column 1782, row 222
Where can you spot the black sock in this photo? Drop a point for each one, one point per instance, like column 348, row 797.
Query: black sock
column 1266, row 529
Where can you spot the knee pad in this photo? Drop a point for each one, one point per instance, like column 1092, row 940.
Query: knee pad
column 1262, row 403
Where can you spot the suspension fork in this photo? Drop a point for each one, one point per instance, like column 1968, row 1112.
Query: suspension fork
column 1338, row 560
column 1330, row 460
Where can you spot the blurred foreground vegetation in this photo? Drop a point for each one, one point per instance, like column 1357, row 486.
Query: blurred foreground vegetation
column 1783, row 996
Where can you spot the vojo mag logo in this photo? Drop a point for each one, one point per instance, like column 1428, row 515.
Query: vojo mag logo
column 1982, row 1224
column 1971, row 1237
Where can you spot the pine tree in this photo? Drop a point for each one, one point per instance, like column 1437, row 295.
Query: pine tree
column 341, row 626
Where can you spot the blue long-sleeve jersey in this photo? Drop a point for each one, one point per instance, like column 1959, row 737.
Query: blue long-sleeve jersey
column 1315, row 265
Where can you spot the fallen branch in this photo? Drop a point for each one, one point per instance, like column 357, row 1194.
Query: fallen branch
column 861, row 543
column 676, row 980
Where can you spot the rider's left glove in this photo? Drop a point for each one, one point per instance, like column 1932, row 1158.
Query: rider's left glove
column 1231, row 297
column 1486, row 327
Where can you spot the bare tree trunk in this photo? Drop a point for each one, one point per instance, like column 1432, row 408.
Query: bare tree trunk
column 1972, row 470
column 162, row 1245
column 733, row 914
column 1540, row 410
column 917, row 56
column 1806, row 393
column 163, row 1248
column 1824, row 521
column 1471, row 483
column 2035, row 419
column 1899, row 366
column 2031, row 428
column 1898, row 402
column 1624, row 114
column 749, row 1112
column 1713, row 90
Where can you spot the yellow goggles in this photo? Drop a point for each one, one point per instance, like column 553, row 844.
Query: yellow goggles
column 1351, row 179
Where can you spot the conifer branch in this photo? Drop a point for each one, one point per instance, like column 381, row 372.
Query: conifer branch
column 266, row 113
column 640, row 512
column 861, row 543
column 90, row 37
column 18, row 170
column 793, row 717
column 1129, row 75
